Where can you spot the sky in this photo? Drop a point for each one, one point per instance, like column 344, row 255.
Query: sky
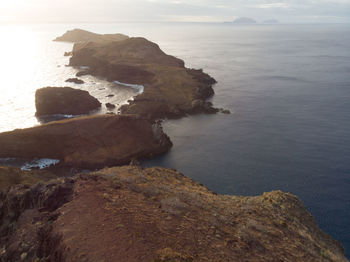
column 285, row 11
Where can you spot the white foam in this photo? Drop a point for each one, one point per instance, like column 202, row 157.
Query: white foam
column 41, row 163
column 140, row 88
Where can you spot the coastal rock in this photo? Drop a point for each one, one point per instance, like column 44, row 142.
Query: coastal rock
column 169, row 87
column 68, row 53
column 79, row 35
column 88, row 142
column 110, row 106
column 75, row 80
column 83, row 73
column 155, row 214
column 64, row 100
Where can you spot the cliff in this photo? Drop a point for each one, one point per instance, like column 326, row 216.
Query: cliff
column 155, row 214
column 64, row 100
column 88, row 142
column 170, row 89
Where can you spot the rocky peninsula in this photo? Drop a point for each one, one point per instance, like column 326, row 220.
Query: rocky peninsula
column 170, row 89
column 88, row 142
column 131, row 213
column 155, row 214
column 79, row 35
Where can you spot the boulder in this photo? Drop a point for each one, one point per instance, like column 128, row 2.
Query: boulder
column 75, row 80
column 64, row 100
column 110, row 106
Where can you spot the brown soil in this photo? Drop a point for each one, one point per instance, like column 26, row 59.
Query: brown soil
column 156, row 214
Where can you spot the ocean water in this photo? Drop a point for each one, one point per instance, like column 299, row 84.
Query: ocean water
column 288, row 87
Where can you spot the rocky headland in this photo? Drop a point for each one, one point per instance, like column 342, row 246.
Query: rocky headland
column 155, row 214
column 64, row 101
column 88, row 142
column 79, row 35
column 170, row 89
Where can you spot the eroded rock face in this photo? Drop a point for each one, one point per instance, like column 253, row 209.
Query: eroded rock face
column 169, row 87
column 155, row 214
column 65, row 101
column 88, row 142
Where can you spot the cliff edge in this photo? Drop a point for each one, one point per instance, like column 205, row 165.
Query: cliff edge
column 155, row 214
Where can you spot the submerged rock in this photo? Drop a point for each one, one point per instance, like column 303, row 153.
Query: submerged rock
column 75, row 80
column 169, row 87
column 88, row 142
column 64, row 100
column 155, row 214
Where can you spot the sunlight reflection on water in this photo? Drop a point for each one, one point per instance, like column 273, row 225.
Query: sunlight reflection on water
column 31, row 60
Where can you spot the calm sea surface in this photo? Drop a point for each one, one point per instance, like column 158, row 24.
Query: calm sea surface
column 288, row 87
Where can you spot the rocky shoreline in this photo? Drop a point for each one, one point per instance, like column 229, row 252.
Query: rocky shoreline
column 170, row 89
column 130, row 213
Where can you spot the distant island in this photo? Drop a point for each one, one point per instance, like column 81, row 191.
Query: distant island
column 244, row 20
column 247, row 20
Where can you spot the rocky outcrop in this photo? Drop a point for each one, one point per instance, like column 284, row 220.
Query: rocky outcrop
column 64, row 100
column 169, row 87
column 88, row 142
column 110, row 106
column 155, row 214
column 79, row 35
column 75, row 81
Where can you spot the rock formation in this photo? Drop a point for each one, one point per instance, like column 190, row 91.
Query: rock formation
column 75, row 80
column 88, row 142
column 110, row 106
column 64, row 100
column 155, row 214
column 79, row 35
column 170, row 88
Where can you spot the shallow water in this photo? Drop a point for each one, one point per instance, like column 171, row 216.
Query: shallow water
column 288, row 87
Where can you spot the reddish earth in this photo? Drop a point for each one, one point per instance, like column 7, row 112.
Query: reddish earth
column 156, row 214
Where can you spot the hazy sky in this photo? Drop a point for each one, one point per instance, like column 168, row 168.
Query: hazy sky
column 299, row 11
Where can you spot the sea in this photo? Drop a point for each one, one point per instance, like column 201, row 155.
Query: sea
column 287, row 86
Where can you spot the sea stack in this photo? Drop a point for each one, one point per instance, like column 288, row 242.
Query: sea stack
column 64, row 101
